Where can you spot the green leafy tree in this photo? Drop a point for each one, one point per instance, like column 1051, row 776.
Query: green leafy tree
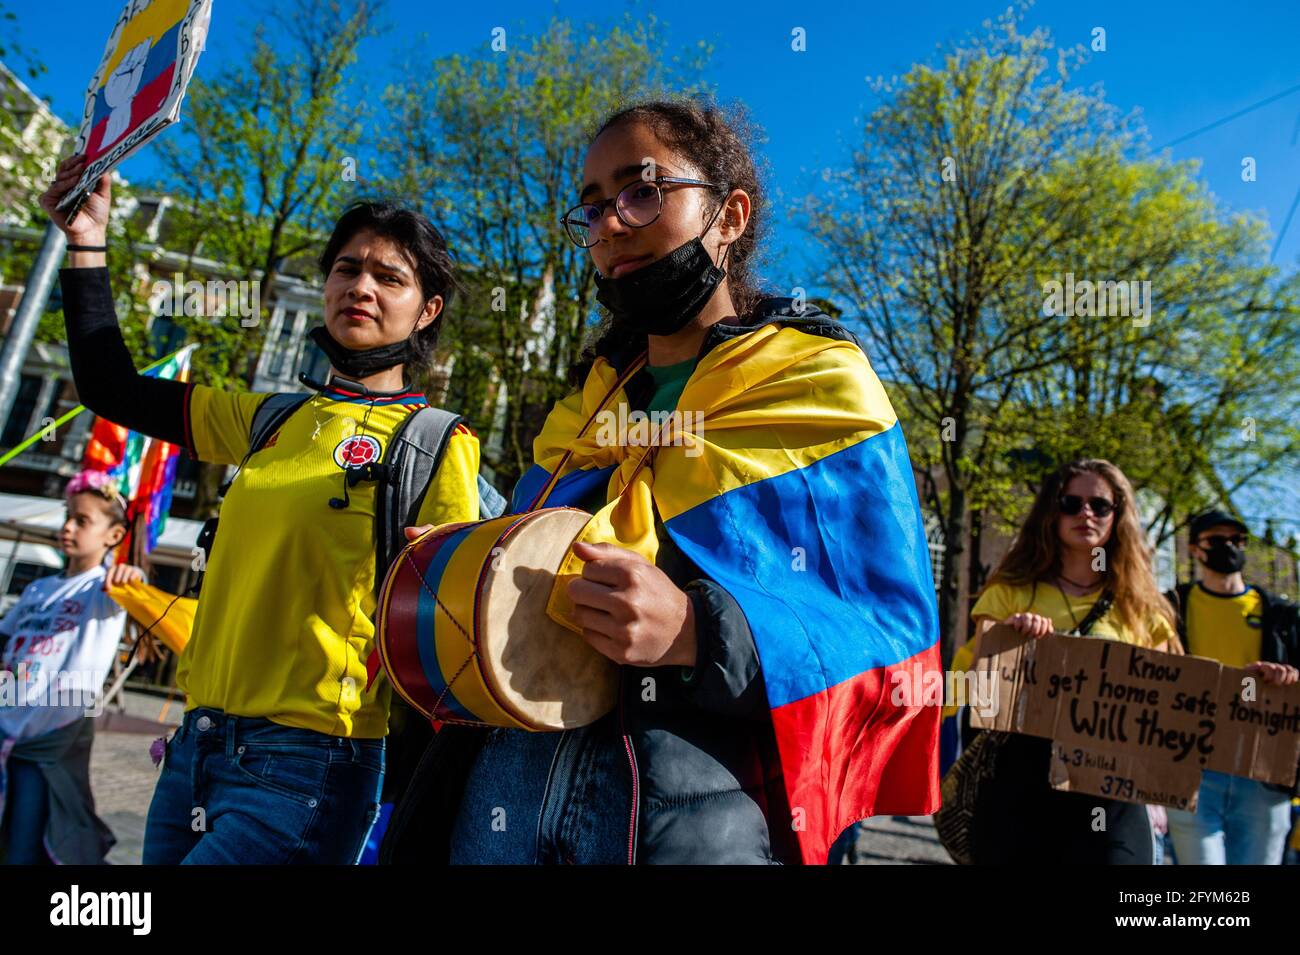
column 260, row 163
column 978, row 181
column 491, row 145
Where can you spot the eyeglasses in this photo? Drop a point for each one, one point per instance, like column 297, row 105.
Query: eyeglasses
column 1072, row 504
column 637, row 205
column 1218, row 540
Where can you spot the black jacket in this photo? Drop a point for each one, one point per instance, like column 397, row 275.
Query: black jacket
column 1279, row 638
column 1280, row 626
column 710, row 788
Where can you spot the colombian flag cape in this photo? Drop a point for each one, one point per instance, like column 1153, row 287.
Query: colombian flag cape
column 796, row 495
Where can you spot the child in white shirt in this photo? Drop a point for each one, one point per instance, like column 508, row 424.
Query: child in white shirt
column 59, row 642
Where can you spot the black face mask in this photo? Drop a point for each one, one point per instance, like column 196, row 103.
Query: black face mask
column 661, row 298
column 1225, row 558
column 365, row 362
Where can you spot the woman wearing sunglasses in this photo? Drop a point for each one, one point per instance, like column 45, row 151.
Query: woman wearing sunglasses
column 1079, row 565
column 752, row 725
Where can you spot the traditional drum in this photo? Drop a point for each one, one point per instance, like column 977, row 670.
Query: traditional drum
column 463, row 633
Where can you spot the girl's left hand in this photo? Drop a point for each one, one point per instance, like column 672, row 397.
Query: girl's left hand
column 629, row 610
column 120, row 574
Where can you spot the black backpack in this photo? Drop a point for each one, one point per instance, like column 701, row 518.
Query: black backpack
column 1279, row 624
column 410, row 462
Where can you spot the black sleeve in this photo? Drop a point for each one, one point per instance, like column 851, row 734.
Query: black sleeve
column 727, row 677
column 105, row 376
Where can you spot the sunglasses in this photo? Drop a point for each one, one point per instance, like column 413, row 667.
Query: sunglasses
column 637, row 205
column 1072, row 504
column 1218, row 540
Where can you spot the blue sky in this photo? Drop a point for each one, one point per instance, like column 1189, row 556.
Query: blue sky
column 1185, row 65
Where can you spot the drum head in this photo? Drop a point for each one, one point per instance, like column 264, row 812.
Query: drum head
column 549, row 675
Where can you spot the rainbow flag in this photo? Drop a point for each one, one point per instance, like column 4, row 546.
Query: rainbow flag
column 143, row 467
column 795, row 493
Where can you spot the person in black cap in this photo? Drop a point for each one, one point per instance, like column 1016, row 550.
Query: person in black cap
column 1238, row 821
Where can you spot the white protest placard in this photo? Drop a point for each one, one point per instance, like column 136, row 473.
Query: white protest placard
column 137, row 90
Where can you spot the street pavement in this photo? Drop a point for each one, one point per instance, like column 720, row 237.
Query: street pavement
column 122, row 777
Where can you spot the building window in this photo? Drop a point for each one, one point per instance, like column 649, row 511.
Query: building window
column 282, row 347
column 187, row 478
column 937, row 544
column 313, row 362
column 165, row 336
column 20, row 418
column 24, row 573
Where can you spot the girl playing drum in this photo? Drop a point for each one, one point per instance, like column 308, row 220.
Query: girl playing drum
column 729, row 578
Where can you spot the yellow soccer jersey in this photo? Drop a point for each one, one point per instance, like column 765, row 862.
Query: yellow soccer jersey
column 1227, row 628
column 999, row 601
column 285, row 620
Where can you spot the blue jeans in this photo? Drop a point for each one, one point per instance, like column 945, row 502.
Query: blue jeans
column 844, row 846
column 1238, row 821
column 238, row 790
column 27, row 811
column 546, row 798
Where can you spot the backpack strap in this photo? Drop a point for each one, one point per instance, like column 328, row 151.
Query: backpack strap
column 267, row 419
column 274, row 411
column 412, row 458
column 1178, row 597
column 1099, row 610
column 1280, row 621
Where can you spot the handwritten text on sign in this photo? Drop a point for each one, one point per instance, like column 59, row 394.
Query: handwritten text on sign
column 1136, row 724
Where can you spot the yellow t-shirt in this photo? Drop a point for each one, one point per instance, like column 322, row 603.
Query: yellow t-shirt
column 999, row 601
column 285, row 618
column 1223, row 628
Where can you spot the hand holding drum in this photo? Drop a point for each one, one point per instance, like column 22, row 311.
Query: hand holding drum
column 464, row 635
column 629, row 609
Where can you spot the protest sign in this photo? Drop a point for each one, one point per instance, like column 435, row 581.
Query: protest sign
column 1135, row 724
column 137, row 90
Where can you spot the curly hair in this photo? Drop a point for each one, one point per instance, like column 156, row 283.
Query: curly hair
column 717, row 142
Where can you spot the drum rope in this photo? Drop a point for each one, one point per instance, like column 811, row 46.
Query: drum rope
column 437, row 704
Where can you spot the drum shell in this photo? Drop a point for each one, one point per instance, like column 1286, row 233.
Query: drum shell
column 432, row 628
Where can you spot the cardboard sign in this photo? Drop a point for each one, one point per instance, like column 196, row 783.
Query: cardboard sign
column 1134, row 724
column 137, row 90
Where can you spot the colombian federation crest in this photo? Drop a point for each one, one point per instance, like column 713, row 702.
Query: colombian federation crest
column 357, row 451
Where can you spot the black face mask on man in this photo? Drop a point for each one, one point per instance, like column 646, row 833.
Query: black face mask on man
column 1224, row 557
column 362, row 363
column 663, row 297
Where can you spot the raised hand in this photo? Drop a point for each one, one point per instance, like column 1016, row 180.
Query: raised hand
column 90, row 227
